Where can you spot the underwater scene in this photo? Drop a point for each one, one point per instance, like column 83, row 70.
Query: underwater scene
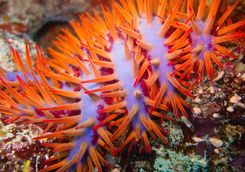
column 122, row 85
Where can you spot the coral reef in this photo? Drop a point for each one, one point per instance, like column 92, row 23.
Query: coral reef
column 222, row 106
column 172, row 161
column 18, row 148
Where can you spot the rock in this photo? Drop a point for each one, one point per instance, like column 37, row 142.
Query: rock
column 17, row 147
column 21, row 16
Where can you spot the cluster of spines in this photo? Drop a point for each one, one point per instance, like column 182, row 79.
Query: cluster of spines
column 33, row 96
column 58, row 85
column 97, row 50
column 203, row 37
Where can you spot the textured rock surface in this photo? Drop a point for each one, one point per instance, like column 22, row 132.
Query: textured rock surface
column 20, row 16
column 7, row 40
column 18, row 150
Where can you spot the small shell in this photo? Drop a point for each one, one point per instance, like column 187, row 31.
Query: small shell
column 200, row 91
column 215, row 142
column 211, row 90
column 115, row 170
column 216, row 151
column 197, row 139
column 235, row 99
column 197, row 110
column 216, row 115
column 220, row 75
column 243, row 77
column 197, row 100
column 230, row 109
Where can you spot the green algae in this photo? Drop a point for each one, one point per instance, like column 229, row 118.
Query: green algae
column 171, row 161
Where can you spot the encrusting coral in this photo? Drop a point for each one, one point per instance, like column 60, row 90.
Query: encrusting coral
column 111, row 79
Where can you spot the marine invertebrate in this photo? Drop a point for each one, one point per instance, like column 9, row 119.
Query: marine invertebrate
column 206, row 32
column 27, row 97
column 108, row 81
column 67, row 85
column 130, row 47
